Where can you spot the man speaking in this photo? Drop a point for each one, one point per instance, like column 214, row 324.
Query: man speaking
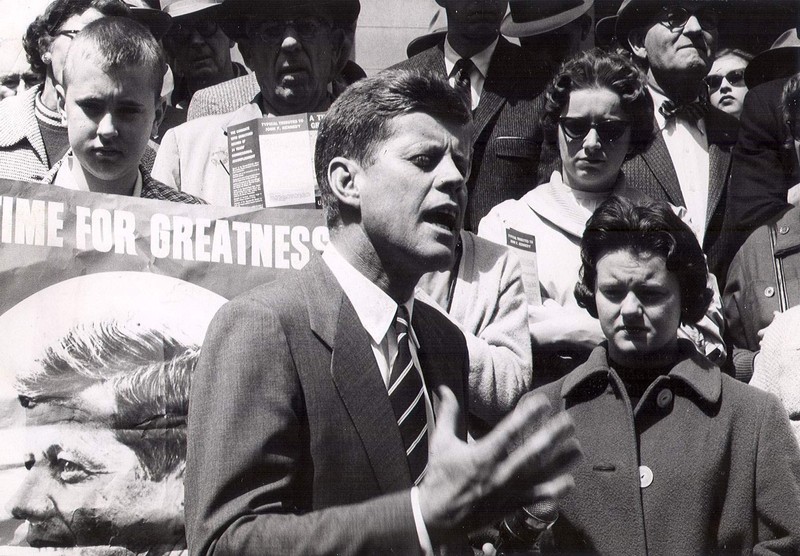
column 327, row 412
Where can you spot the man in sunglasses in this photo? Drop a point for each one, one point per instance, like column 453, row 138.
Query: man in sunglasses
column 199, row 53
column 293, row 47
column 687, row 163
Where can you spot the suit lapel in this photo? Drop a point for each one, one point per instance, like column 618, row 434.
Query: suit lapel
column 719, row 161
column 357, row 378
column 493, row 97
column 659, row 161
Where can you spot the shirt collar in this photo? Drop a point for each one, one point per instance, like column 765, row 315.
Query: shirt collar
column 481, row 59
column 694, row 370
column 375, row 309
column 70, row 176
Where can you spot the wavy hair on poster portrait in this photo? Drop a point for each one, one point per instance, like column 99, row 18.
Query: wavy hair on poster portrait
column 146, row 370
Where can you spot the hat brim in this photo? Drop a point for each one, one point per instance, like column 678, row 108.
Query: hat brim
column 234, row 14
column 156, row 21
column 772, row 64
column 180, row 10
column 511, row 28
column 423, row 43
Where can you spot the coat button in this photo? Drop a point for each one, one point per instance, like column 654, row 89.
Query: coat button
column 769, row 291
column 645, row 476
column 783, row 230
column 664, row 398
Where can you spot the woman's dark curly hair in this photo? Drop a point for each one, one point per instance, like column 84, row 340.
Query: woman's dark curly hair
column 594, row 69
column 646, row 228
column 44, row 29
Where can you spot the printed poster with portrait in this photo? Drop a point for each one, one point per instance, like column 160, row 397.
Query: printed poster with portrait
column 105, row 304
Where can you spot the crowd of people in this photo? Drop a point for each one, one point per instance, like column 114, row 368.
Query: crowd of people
column 558, row 246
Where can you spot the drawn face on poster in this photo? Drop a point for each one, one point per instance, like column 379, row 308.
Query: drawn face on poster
column 101, row 369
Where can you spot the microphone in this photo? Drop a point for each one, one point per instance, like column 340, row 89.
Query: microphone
column 524, row 530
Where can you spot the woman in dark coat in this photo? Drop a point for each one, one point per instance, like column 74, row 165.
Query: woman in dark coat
column 678, row 457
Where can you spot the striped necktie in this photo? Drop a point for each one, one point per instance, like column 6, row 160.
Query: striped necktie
column 408, row 401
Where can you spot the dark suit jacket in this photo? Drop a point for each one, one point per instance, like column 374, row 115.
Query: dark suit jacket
column 764, row 164
column 653, row 173
column 293, row 445
column 507, row 136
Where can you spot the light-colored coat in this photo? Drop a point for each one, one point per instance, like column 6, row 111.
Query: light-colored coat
column 193, row 157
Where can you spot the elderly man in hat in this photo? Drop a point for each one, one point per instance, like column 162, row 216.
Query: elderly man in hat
column 687, row 163
column 199, row 53
column 293, row 47
column 500, row 80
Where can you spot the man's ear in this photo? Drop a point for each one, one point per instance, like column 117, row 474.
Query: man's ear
column 244, row 50
column 342, row 177
column 636, row 42
column 62, row 100
column 340, row 53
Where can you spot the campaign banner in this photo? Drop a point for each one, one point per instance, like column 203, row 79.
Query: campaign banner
column 106, row 300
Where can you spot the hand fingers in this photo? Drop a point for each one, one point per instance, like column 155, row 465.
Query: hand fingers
column 527, row 416
column 550, row 450
column 446, row 413
column 555, row 488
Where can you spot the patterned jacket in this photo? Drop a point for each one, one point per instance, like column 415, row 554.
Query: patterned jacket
column 151, row 187
column 22, row 153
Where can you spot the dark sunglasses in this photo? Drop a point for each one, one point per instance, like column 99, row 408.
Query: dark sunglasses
column 675, row 18
column 734, row 77
column 273, row 32
column 607, row 130
column 182, row 32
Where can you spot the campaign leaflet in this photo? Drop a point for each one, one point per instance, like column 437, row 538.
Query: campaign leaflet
column 272, row 161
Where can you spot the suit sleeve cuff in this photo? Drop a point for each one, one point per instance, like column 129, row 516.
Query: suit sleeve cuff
column 422, row 531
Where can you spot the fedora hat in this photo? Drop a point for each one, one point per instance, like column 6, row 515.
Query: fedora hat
column 425, row 42
column 235, row 13
column 179, row 8
column 155, row 20
column 526, row 18
column 782, row 59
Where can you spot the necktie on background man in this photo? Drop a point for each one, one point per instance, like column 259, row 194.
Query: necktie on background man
column 408, row 401
column 461, row 72
column 691, row 111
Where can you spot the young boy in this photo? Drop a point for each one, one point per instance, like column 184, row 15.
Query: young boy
column 110, row 99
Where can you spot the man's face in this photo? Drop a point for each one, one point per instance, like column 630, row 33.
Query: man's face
column 200, row 49
column 413, row 195
column 85, row 488
column 109, row 119
column 294, row 59
column 475, row 19
column 672, row 47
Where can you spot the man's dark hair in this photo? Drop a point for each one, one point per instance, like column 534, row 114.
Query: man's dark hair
column 596, row 69
column 147, row 370
column 360, row 119
column 44, row 29
column 118, row 43
column 646, row 228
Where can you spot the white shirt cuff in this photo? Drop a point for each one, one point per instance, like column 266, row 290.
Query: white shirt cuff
column 422, row 531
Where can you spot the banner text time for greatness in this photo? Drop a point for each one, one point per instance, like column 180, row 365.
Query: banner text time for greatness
column 39, row 222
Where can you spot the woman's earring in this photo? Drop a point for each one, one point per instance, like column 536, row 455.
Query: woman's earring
column 47, row 57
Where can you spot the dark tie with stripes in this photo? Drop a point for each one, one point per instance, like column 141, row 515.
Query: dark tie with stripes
column 691, row 111
column 408, row 401
column 462, row 71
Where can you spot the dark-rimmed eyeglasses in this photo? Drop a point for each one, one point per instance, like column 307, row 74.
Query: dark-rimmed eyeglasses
column 607, row 130
column 181, row 33
column 273, row 32
column 675, row 18
column 734, row 77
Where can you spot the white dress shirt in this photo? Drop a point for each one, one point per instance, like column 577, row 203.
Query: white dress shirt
column 687, row 144
column 477, row 77
column 376, row 311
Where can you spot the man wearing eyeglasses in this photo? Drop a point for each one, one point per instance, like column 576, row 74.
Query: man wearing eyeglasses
column 294, row 49
column 687, row 163
column 199, row 53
